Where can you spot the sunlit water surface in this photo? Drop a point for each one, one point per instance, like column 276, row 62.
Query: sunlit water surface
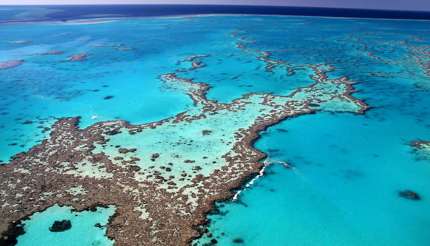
column 348, row 169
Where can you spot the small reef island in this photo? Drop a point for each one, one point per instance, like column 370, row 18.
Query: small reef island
column 162, row 177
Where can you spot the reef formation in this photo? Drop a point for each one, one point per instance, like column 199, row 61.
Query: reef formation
column 163, row 177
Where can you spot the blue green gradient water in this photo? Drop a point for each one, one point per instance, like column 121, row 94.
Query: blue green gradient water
column 348, row 168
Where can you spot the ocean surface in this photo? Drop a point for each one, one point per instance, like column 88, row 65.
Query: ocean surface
column 70, row 12
column 347, row 170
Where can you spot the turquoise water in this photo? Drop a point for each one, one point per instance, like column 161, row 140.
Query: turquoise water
column 50, row 87
column 82, row 232
column 345, row 193
column 348, row 168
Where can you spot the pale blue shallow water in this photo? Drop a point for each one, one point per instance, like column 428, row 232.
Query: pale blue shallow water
column 83, row 229
column 348, row 168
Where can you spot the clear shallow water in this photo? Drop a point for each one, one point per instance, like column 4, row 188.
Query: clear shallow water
column 82, row 232
column 348, row 168
column 343, row 190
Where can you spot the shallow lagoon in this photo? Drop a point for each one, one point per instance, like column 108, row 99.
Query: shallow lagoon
column 83, row 229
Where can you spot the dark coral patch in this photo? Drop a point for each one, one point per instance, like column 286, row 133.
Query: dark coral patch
column 134, row 168
column 238, row 240
column 410, row 195
column 13, row 231
column 60, row 226
column 27, row 122
column 154, row 156
column 98, row 225
column 125, row 150
column 113, row 132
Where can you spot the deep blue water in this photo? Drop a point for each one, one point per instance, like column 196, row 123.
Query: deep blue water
column 348, row 169
column 67, row 12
